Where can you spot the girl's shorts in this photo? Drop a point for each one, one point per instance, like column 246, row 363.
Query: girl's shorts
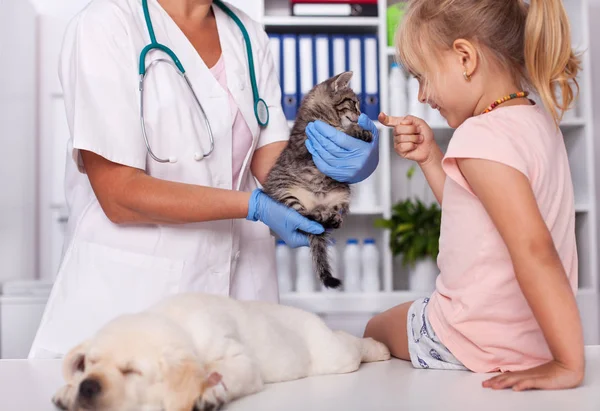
column 424, row 347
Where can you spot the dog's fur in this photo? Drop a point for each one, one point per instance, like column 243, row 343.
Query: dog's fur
column 199, row 351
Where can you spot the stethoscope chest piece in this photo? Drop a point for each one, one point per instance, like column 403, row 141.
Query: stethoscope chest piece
column 262, row 112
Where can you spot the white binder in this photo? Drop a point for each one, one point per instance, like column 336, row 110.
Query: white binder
column 355, row 59
column 339, row 56
column 322, row 58
column 306, row 66
column 370, row 101
column 288, row 72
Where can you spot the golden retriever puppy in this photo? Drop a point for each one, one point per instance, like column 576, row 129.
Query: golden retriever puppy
column 199, row 351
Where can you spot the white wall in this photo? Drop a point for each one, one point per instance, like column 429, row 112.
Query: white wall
column 17, row 140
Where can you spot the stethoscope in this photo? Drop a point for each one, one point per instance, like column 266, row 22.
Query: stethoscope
column 261, row 111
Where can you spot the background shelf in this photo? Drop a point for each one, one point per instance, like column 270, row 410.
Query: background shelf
column 295, row 21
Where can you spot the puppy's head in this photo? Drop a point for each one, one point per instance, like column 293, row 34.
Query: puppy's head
column 135, row 361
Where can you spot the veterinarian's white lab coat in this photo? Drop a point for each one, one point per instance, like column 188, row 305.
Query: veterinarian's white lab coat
column 110, row 269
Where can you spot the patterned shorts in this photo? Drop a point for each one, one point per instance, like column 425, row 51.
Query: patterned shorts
column 425, row 349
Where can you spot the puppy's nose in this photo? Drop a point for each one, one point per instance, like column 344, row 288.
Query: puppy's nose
column 89, row 389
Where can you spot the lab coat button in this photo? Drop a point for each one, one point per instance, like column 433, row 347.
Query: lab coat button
column 242, row 85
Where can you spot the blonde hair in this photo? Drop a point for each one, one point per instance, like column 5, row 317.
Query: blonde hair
column 532, row 41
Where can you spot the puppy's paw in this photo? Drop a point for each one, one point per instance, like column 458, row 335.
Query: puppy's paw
column 383, row 353
column 213, row 398
column 374, row 350
column 63, row 397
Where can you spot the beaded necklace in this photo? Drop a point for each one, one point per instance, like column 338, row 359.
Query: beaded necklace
column 496, row 103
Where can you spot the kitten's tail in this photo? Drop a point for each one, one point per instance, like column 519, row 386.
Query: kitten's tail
column 318, row 248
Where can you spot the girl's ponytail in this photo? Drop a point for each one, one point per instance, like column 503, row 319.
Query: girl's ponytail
column 549, row 60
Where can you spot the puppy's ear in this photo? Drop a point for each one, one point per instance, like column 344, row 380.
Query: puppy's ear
column 213, row 379
column 183, row 383
column 74, row 361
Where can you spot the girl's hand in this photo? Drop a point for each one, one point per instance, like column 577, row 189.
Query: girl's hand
column 413, row 138
column 550, row 376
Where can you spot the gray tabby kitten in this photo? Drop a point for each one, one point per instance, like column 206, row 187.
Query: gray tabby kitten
column 296, row 182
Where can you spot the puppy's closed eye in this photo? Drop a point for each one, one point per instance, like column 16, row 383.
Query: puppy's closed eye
column 129, row 371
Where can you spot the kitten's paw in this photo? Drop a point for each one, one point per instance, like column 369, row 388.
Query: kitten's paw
column 334, row 221
column 360, row 133
column 213, row 398
column 365, row 135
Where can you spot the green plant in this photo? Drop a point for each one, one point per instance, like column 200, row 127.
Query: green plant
column 415, row 229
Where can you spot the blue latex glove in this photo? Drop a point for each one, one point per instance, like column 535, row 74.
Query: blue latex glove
column 283, row 220
column 340, row 156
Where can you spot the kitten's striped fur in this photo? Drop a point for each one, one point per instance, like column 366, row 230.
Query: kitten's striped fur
column 296, row 182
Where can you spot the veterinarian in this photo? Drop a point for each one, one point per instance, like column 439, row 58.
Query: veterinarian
column 161, row 183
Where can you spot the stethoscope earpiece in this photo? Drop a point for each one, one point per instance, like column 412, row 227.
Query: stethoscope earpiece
column 198, row 156
column 172, row 159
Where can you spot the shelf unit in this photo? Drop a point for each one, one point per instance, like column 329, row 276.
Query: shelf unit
column 579, row 138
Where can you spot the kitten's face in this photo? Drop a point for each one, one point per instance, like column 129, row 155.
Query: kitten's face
column 333, row 101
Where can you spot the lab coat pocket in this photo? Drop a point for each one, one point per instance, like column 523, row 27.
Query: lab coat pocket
column 97, row 283
column 255, row 275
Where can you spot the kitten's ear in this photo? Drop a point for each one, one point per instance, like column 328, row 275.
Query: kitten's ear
column 341, row 80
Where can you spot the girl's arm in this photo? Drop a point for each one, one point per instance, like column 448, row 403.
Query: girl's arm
column 413, row 140
column 128, row 195
column 435, row 175
column 507, row 197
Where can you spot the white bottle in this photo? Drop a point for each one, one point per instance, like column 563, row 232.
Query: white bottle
column 283, row 257
column 398, row 98
column 369, row 255
column 334, row 263
column 364, row 194
column 352, row 274
column 305, row 277
column 415, row 107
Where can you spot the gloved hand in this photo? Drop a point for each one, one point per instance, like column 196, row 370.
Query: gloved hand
column 340, row 156
column 283, row 220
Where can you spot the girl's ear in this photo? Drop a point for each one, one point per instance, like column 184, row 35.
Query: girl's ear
column 467, row 55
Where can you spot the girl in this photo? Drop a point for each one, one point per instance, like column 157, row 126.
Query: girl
column 504, row 299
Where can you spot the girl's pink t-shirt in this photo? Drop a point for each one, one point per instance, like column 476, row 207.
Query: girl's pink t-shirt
column 241, row 134
column 478, row 309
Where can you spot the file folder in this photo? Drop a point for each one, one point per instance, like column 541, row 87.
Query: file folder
column 339, row 55
column 322, row 58
column 355, row 64
column 370, row 104
column 289, row 78
column 305, row 64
